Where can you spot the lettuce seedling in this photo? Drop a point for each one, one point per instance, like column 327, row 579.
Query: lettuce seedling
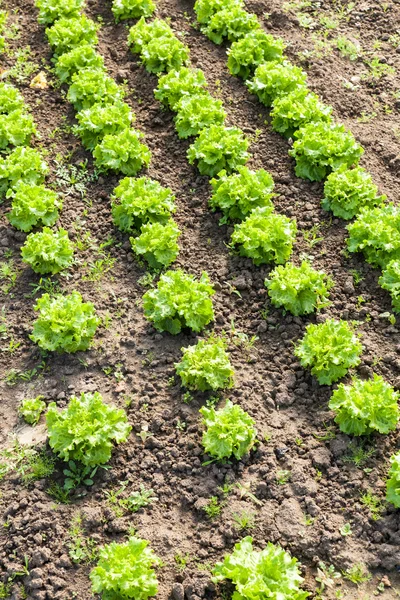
column 52, row 10
column 252, row 50
column 228, row 432
column 196, row 112
column 299, row 290
column 91, row 86
column 323, row 147
column 274, row 79
column 124, row 571
column 78, row 59
column 181, row 83
column 179, row 301
column 24, row 165
column 33, row 205
column 132, row 9
column 205, row 9
column 294, row 110
column 100, row 120
column 31, row 409
column 219, row 147
column 16, row 129
column 346, row 191
column 65, row 323
column 271, row 573
column 265, row 236
column 376, row 233
column 206, row 366
column 48, row 251
column 365, row 406
column 10, row 98
column 122, row 152
column 330, row 349
column 67, row 34
column 390, row 281
column 231, row 23
column 157, row 243
column 236, row 195
column 393, row 482
column 86, row 429
column 139, row 201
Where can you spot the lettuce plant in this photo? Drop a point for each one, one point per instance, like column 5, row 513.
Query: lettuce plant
column 16, row 129
column 139, row 201
column 299, row 290
column 33, row 205
column 90, row 86
column 132, row 9
column 236, row 195
column 65, row 323
column 390, row 281
column 330, row 349
column 100, row 120
column 265, row 236
column 180, row 83
column 31, row 409
column 157, row 243
column 77, row 59
column 323, row 147
column 51, row 10
column 68, row 33
column 24, row 165
column 124, row 571
column 86, row 429
column 231, row 23
column 252, row 50
column 274, row 79
column 3, row 21
column 228, row 432
column 365, row 406
column 196, row 112
column 122, row 152
column 219, row 147
column 271, row 573
column 48, row 251
column 10, row 98
column 206, row 366
column 393, row 482
column 294, row 110
column 179, row 301
column 205, row 9
column 376, row 233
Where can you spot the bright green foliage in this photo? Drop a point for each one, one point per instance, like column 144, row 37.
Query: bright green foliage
column 3, row 20
column 205, row 9
column 376, row 233
column 100, row 120
column 132, row 9
column 296, row 109
column 158, row 46
column 51, row 10
column 323, row 147
column 346, row 191
column 67, row 34
column 265, row 236
column 184, row 82
column 124, row 571
column 65, row 323
column 157, row 243
column 206, row 366
column 365, row 406
column 271, row 573
column 393, row 482
column 229, row 431
column 33, row 205
column 196, row 112
column 274, row 79
column 232, row 23
column 300, row 290
column 141, row 201
column 237, row 194
column 219, row 147
column 179, row 301
column 16, row 129
column 24, row 165
column 90, row 86
column 390, row 281
column 253, row 49
column 31, row 409
column 330, row 349
column 10, row 98
column 77, row 59
column 122, row 152
column 85, row 430
column 48, row 251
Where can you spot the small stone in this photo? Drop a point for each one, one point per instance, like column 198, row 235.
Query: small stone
column 348, row 287
column 178, row 592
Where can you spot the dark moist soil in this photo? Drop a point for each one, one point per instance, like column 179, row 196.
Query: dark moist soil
column 289, row 407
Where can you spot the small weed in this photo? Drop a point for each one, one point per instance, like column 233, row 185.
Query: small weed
column 244, row 520
column 329, row 434
column 346, row 530
column 326, row 576
column 80, row 549
column 283, row 477
column 181, row 560
column 357, row 574
column 347, row 48
column 377, row 70
column 45, row 286
column 312, row 236
column 308, row 520
column 357, row 277
column 77, row 475
column 213, row 508
column 39, row 466
column 74, row 179
column 9, row 274
column 139, row 499
column 245, row 491
column 60, row 495
column 358, row 454
column 374, row 504
column 180, row 425
column 23, row 67
column 98, row 268
column 187, row 398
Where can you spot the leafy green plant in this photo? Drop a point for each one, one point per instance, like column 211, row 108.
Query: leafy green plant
column 31, row 409
column 77, row 59
column 125, row 571
column 300, row 290
column 265, row 236
column 22, row 164
column 122, row 152
column 48, row 251
column 236, row 195
column 51, row 10
column 252, row 50
column 393, row 481
column 65, row 323
column 365, row 406
column 10, row 98
column 33, row 205
column 330, row 349
column 390, row 281
column 275, row 78
column 213, row 508
column 357, row 574
column 85, row 430
column 180, row 83
column 132, row 9
column 294, row 110
column 205, row 9
column 206, row 365
column 16, row 129
column 68, row 33
column 179, row 301
column 100, row 120
column 157, row 243
column 228, row 432
column 196, row 112
column 231, row 23
column 77, row 475
column 323, row 147
column 219, row 147
column 91, row 86
column 139, row 201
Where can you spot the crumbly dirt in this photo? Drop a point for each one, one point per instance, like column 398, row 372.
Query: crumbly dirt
column 295, row 427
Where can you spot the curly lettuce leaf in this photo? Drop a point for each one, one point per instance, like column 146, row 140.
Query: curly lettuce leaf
column 16, row 129
column 196, row 112
column 180, row 83
column 91, row 86
column 33, row 205
column 252, row 50
column 52, row 10
column 393, row 482
column 205, row 9
column 100, row 120
column 231, row 23
column 296, row 109
column 122, row 152
column 218, row 147
column 390, row 281
column 206, row 366
column 48, row 251
column 24, row 165
column 68, row 33
column 274, row 79
column 78, row 59
column 157, row 243
column 10, row 98
column 132, row 9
